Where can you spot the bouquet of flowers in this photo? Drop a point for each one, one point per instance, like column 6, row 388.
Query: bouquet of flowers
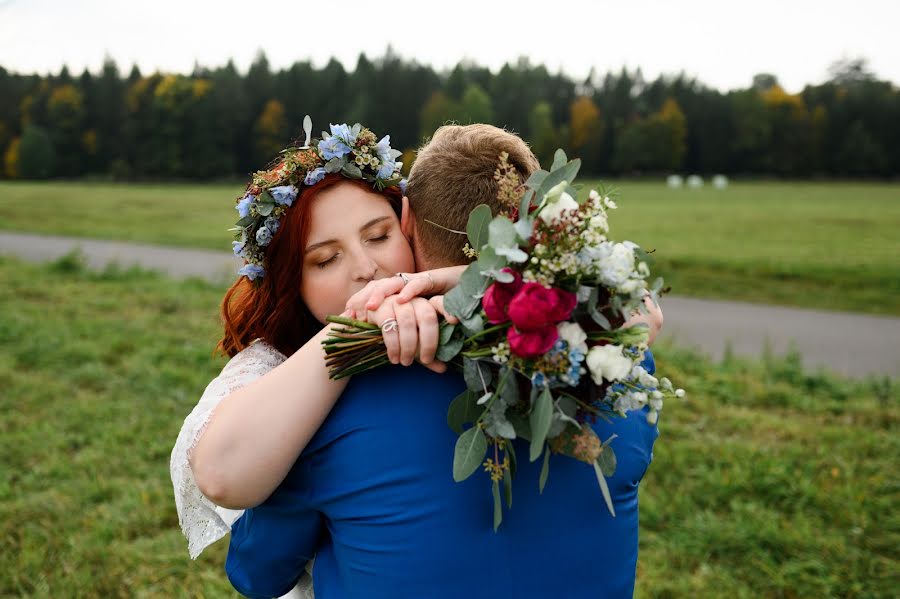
column 539, row 341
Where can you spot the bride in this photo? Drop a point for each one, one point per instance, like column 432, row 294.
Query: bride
column 316, row 241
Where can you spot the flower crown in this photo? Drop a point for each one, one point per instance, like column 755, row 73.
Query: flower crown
column 350, row 151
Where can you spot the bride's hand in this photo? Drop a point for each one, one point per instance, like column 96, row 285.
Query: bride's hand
column 417, row 332
column 429, row 282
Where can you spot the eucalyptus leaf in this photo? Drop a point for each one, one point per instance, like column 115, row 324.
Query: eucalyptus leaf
column 334, row 165
column 477, row 227
column 502, row 233
column 446, row 332
column 489, row 260
column 607, row 460
column 462, row 410
column 524, row 228
column 600, row 319
column 559, row 160
column 351, row 170
column 505, row 429
column 246, row 221
column 507, row 487
column 604, row 489
column 469, row 453
column 449, row 350
column 520, row 423
column 472, row 325
column 510, row 390
column 536, row 179
column 513, row 254
column 265, row 209
column 545, row 470
column 498, row 507
column 526, row 201
column 566, row 173
column 540, row 420
column 478, row 376
column 458, row 303
column 510, row 450
column 501, row 276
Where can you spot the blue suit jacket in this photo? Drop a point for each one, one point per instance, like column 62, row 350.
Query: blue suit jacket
column 372, row 498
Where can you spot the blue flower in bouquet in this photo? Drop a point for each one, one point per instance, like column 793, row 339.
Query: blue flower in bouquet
column 252, row 271
column 576, row 357
column 538, row 379
column 284, row 195
column 243, row 207
column 314, row 176
column 238, row 247
column 263, row 236
column 403, row 186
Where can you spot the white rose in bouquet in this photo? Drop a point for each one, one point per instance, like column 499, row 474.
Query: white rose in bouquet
column 608, row 362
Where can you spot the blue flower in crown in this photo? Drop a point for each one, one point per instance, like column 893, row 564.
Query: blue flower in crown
column 388, row 157
column 314, row 176
column 243, row 207
column 284, row 195
column 340, row 142
column 263, row 236
column 252, row 271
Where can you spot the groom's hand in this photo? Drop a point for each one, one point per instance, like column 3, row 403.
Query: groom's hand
column 372, row 295
column 416, row 333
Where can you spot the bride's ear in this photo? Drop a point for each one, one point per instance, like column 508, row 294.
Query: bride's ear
column 407, row 220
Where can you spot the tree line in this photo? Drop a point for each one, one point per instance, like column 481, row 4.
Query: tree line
column 221, row 123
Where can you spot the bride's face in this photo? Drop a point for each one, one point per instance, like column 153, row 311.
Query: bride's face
column 354, row 237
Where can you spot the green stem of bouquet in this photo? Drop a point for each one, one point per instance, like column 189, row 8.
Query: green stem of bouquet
column 487, row 331
column 352, row 323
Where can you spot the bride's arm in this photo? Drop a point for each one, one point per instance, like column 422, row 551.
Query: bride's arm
column 256, row 433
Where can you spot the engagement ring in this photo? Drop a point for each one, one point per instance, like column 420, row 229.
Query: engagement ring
column 389, row 324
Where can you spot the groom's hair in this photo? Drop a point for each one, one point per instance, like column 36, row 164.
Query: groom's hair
column 453, row 173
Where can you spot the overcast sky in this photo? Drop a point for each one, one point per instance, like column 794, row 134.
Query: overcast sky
column 723, row 43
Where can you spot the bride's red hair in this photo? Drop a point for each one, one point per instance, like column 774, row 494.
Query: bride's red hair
column 271, row 308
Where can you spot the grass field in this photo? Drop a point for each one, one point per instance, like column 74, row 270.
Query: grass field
column 819, row 245
column 766, row 481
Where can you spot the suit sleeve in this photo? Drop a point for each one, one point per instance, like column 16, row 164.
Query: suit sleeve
column 270, row 546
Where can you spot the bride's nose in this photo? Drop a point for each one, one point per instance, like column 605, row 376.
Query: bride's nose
column 364, row 268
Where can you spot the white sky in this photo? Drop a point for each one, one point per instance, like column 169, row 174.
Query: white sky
column 723, row 43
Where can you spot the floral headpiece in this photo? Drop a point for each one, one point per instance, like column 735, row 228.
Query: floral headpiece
column 350, row 151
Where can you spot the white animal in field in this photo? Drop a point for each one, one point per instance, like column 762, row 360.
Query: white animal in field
column 695, row 181
column 720, row 181
column 674, row 181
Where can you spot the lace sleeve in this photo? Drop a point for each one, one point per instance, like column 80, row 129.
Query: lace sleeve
column 202, row 521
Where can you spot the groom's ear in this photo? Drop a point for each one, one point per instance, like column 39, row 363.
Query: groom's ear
column 407, row 220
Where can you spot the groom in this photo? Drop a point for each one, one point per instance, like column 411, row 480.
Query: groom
column 372, row 497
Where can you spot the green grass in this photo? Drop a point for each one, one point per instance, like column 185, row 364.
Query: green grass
column 766, row 481
column 819, row 245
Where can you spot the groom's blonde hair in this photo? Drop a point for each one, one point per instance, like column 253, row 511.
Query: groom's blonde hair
column 452, row 174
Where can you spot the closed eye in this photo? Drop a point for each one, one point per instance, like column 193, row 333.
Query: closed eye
column 380, row 239
column 327, row 262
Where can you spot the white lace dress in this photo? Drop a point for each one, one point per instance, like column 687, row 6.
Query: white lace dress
column 202, row 521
